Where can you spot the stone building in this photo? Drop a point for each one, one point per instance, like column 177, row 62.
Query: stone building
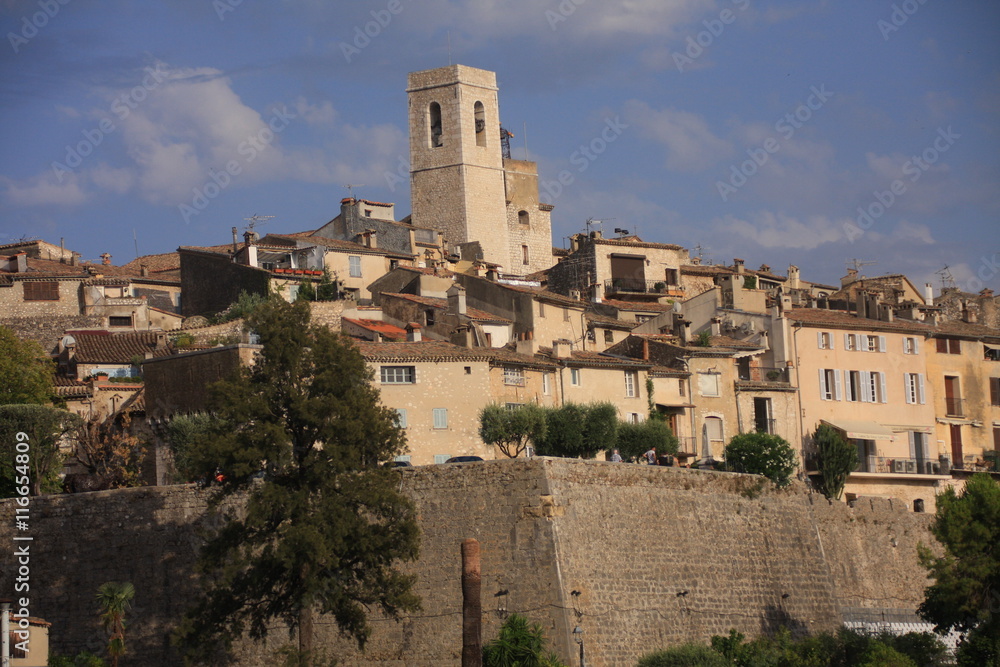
column 462, row 181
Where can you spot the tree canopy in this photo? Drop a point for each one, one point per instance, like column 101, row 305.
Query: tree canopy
column 512, row 430
column 837, row 459
column 577, row 430
column 45, row 427
column 762, row 454
column 25, row 370
column 298, row 439
column 633, row 440
column 965, row 595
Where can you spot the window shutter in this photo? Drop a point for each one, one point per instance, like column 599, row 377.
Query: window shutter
column 847, row 342
column 909, row 387
column 819, row 339
column 916, row 345
column 866, row 387
column 920, row 388
column 831, row 338
column 401, row 417
column 913, row 445
column 836, row 385
column 994, row 391
column 942, row 346
column 822, row 385
column 881, row 384
column 881, row 344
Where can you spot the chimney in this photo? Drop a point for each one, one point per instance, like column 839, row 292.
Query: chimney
column 793, row 277
column 105, row 259
column 716, row 326
column 574, row 243
column 74, row 258
column 598, row 292
column 852, row 275
column 596, row 234
column 929, row 294
column 765, row 268
column 526, row 345
column 143, row 270
column 986, row 293
column 645, row 349
column 22, row 262
column 456, row 300
column 236, row 241
column 561, row 348
column 413, row 333
column 969, row 315
column 251, row 248
column 464, row 336
column 161, row 341
column 682, row 328
column 696, row 260
column 738, row 263
column 492, row 275
column 369, row 236
column 574, row 294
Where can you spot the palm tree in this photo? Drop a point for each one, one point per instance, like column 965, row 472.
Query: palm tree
column 519, row 644
column 115, row 598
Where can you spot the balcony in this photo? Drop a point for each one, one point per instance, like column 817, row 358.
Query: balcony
column 763, row 374
column 954, row 407
column 897, row 466
column 641, row 286
column 764, row 425
column 687, row 444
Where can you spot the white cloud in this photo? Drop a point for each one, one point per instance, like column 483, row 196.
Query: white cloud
column 45, row 190
column 691, row 145
column 777, row 230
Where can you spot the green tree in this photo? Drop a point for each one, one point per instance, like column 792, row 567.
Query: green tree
column 633, row 440
column 182, row 432
column 519, row 644
column 965, row 595
column 838, row 458
column 306, row 291
column 704, row 339
column 45, row 428
column 297, row 439
column 762, row 454
column 246, row 303
column 512, row 430
column 574, row 430
column 25, row 371
column 685, row 655
column 600, row 428
column 115, row 599
column 327, row 289
column 112, row 451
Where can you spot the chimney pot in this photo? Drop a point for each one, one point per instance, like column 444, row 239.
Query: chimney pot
column 413, row 332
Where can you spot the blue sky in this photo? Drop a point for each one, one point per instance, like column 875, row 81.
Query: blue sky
column 753, row 128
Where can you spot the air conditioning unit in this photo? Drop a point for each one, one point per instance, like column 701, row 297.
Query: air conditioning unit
column 899, row 466
column 911, row 467
column 933, row 468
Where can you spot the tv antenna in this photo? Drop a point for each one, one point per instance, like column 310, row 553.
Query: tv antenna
column 856, row 264
column 350, row 188
column 947, row 280
column 255, row 220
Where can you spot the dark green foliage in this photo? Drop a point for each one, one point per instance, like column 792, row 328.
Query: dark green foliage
column 327, row 289
column 25, row 371
column 838, row 458
column 244, row 306
column 704, row 339
column 685, row 655
column 574, row 430
column 749, row 282
column 45, row 427
column 511, row 430
column 182, row 434
column 635, row 439
column 82, row 659
column 762, row 454
column 519, row 644
column 965, row 594
column 306, row 291
column 298, row 439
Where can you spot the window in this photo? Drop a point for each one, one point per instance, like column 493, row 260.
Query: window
column 609, row 336
column 708, row 384
column 541, row 309
column 434, row 121
column 524, row 255
column 513, row 376
column 468, row 370
column 574, row 377
column 829, row 384
column 853, row 382
column 355, row 266
column 633, row 417
column 480, row 113
column 35, row 291
column 670, row 276
column 681, row 388
column 405, row 458
column 994, row 391
column 875, row 343
column 996, row 438
column 631, row 384
column 441, row 458
column 873, row 387
column 565, row 312
column 120, row 321
column 401, row 421
column 440, row 418
column 546, row 384
column 522, row 217
column 398, row 375
column 851, row 342
column 825, row 340
column 429, row 317
column 949, row 346
column 713, row 425
column 914, row 388
column 514, row 406
column 911, row 345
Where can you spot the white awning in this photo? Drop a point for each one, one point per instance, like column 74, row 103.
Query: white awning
column 862, row 430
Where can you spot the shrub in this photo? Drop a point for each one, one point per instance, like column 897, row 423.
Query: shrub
column 511, row 430
column 519, row 644
column 573, row 430
column 634, row 440
column 762, row 454
column 837, row 459
column 685, row 655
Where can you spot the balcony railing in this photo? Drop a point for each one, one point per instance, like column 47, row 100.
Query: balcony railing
column 764, row 425
column 895, row 465
column 639, row 286
column 763, row 374
column 954, row 407
column 687, row 444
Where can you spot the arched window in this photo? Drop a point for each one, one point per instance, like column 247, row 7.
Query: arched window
column 522, row 217
column 480, row 124
column 434, row 118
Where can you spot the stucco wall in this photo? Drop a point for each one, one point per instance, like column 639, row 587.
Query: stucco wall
column 628, row 538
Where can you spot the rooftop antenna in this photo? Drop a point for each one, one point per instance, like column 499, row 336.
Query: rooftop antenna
column 350, row 188
column 449, row 48
column 947, row 280
column 526, row 141
column 135, row 240
column 856, row 264
column 255, row 220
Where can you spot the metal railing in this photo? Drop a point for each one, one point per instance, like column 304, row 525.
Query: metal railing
column 763, row 374
column 639, row 286
column 896, row 465
column 954, row 407
column 688, row 444
column 764, row 425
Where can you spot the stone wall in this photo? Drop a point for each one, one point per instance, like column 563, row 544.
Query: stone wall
column 639, row 557
column 210, row 282
column 45, row 330
column 14, row 305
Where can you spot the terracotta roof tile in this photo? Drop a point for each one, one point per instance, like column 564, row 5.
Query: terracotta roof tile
column 101, row 347
column 816, row 317
column 442, row 304
column 425, row 350
column 379, row 327
column 639, row 306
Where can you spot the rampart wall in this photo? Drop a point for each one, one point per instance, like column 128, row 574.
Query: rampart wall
column 639, row 557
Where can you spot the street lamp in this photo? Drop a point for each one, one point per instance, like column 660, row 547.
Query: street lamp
column 578, row 633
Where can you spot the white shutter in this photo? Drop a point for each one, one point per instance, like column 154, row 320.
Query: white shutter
column 837, row 386
column 859, row 342
column 909, row 386
column 831, row 338
column 847, row 341
column 916, row 345
column 881, row 344
column 920, row 388
column 913, row 445
column 819, row 339
column 881, row 383
column 866, row 386
column 822, row 385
